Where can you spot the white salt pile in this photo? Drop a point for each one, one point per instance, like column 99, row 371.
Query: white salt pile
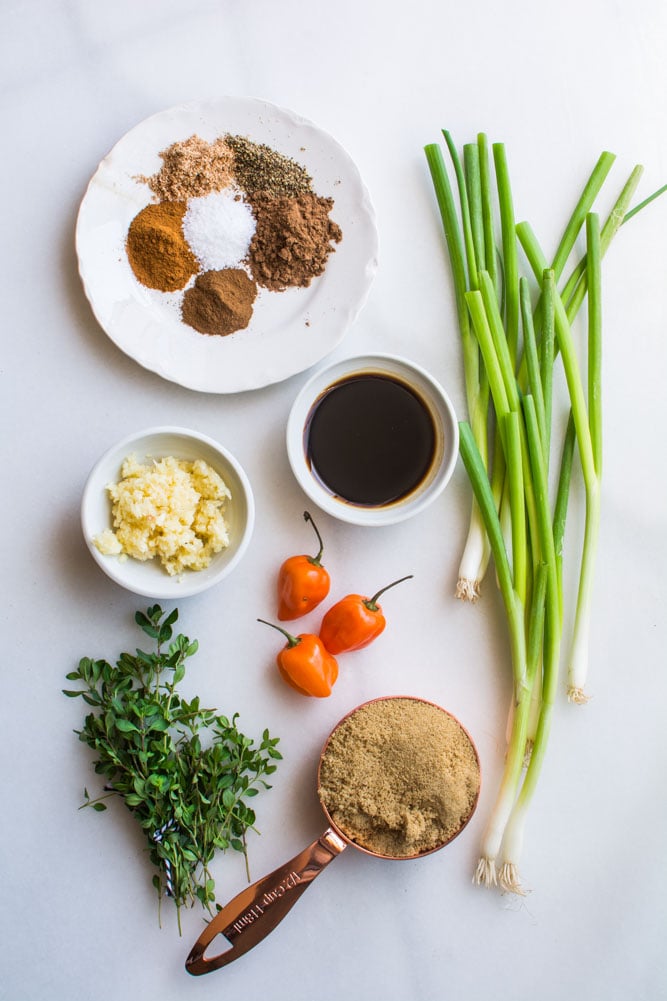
column 218, row 228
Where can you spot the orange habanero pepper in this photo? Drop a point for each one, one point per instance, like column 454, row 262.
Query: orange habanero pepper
column 302, row 582
column 305, row 663
column 354, row 621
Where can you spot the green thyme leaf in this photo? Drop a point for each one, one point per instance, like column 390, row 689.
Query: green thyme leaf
column 184, row 771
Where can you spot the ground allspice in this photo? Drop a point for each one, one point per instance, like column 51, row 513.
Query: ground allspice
column 220, row 302
column 157, row 250
column 399, row 776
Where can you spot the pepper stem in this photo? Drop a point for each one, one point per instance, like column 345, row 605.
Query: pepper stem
column 315, row 560
column 291, row 640
column 371, row 603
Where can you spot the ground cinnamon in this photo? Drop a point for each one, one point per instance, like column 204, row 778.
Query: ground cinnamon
column 293, row 239
column 219, row 302
column 157, row 250
column 399, row 776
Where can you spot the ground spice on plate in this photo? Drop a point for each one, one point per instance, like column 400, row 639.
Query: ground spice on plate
column 219, row 302
column 157, row 250
column 223, row 206
column 292, row 241
column 399, row 777
column 191, row 169
column 257, row 167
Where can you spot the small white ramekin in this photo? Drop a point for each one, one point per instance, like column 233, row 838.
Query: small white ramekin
column 447, row 435
column 149, row 578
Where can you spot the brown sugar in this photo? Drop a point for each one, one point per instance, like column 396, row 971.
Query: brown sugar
column 399, row 777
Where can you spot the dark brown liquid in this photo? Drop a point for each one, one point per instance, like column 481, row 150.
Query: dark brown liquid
column 370, row 439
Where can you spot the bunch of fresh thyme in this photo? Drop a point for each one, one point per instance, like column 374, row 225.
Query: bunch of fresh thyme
column 188, row 798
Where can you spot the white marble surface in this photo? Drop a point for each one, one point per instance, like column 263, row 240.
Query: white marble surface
column 79, row 918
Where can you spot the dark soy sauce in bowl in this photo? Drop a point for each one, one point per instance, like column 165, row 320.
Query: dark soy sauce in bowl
column 370, row 439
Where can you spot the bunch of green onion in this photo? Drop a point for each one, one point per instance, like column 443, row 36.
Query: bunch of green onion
column 515, row 329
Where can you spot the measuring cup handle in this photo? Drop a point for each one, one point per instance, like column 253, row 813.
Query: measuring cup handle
column 256, row 911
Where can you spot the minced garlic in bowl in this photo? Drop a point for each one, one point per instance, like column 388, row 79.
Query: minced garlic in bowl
column 167, row 509
column 167, row 512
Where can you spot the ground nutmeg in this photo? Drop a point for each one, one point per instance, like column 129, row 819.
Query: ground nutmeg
column 220, row 302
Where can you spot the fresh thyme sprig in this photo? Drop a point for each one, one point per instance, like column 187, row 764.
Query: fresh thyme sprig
column 189, row 798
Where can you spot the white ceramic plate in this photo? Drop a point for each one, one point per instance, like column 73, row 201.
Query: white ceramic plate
column 149, row 578
column 290, row 330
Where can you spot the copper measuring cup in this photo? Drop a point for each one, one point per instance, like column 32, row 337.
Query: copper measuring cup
column 253, row 913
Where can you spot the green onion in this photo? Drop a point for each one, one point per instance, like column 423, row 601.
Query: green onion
column 509, row 248
column 515, row 329
column 469, row 231
column 473, row 247
column 578, row 664
column 463, row 262
column 493, row 836
column 582, row 414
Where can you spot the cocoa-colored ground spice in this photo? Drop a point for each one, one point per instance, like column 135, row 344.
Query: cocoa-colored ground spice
column 191, row 169
column 293, row 239
column 157, row 250
column 399, row 777
column 219, row 302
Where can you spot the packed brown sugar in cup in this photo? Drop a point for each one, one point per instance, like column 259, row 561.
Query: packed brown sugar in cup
column 399, row 777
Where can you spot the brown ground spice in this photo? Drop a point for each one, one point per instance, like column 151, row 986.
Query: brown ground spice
column 191, row 169
column 219, row 302
column 399, row 777
column 293, row 239
column 157, row 250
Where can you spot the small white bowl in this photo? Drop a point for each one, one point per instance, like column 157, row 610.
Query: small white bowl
column 149, row 578
column 431, row 394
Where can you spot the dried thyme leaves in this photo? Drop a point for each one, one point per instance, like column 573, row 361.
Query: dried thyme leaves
column 258, row 168
column 190, row 798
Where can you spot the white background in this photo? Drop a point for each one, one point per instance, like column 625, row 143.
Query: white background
column 558, row 85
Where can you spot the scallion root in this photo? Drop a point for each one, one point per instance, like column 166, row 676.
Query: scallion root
column 509, row 879
column 577, row 696
column 468, row 590
column 485, row 873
